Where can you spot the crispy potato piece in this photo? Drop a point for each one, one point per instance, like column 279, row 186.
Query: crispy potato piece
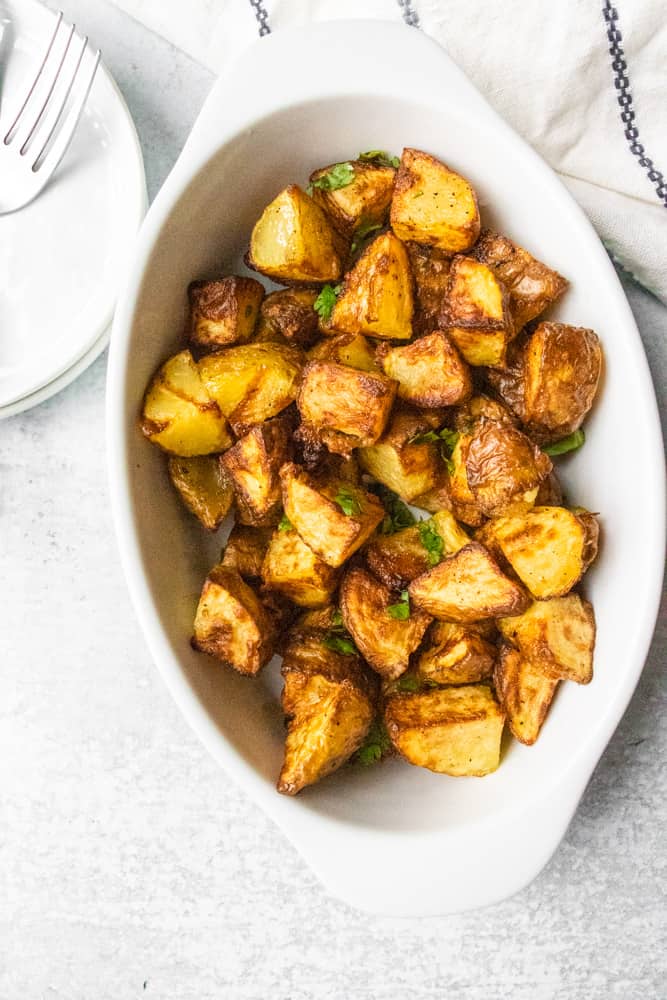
column 504, row 468
column 316, row 508
column 531, row 284
column 549, row 548
column 508, row 381
column 361, row 204
column 550, row 493
column 376, row 298
column 461, row 498
column 288, row 316
column 329, row 700
column 430, row 371
column 203, row 487
column 351, row 349
column 245, row 551
column 434, row 205
column 294, row 241
column 438, row 497
column 223, row 312
column 562, row 370
column 178, row 413
column 430, row 268
column 294, row 570
column 524, row 692
column 253, row 382
column 454, row 730
column 557, row 635
column 232, row 624
column 406, row 468
column 345, row 406
column 253, row 465
column 385, row 642
column 469, row 413
column 399, row 558
column 456, row 655
column 476, row 313
column 468, row 586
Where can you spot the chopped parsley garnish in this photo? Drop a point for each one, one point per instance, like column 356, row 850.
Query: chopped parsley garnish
column 339, row 643
column 376, row 745
column 284, row 524
column 408, row 682
column 325, row 301
column 432, row 542
column 347, row 501
column 338, row 176
column 401, row 610
column 447, row 439
column 362, row 233
column 398, row 514
column 337, row 619
column 572, row 442
column 379, row 157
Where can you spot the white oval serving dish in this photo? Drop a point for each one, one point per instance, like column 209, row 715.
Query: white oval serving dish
column 393, row 839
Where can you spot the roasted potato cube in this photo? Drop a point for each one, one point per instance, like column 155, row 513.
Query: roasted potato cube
column 468, row 586
column 370, row 611
column 532, row 285
column 562, row 370
column 407, row 468
column 203, row 487
column 363, row 203
column 329, row 701
column 347, row 407
column 253, row 465
column 294, row 570
column 245, row 551
column 455, row 655
column 288, row 316
column 438, row 497
column 461, row 498
column 399, row 558
column 469, row 413
column 253, row 382
column 430, row 269
column 223, row 312
column 476, row 313
column 333, row 517
column 550, row 493
column 549, row 548
column 557, row 635
column 376, row 298
column 294, row 241
column 434, row 205
column 524, row 692
column 178, row 413
column 351, row 349
column 454, row 730
column 430, row 371
column 504, row 468
column 232, row 624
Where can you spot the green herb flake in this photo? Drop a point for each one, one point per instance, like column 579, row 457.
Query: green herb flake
column 347, row 501
column 408, row 682
column 339, row 176
column 339, row 644
column 325, row 302
column 376, row 745
column 401, row 610
column 285, row 524
column 447, row 439
column 572, row 442
column 431, row 541
column 398, row 514
column 337, row 619
column 380, row 158
column 362, row 233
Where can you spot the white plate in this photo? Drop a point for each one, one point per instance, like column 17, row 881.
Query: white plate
column 62, row 257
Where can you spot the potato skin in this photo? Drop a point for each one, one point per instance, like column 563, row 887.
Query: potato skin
column 377, row 297
column 476, row 313
column 430, row 269
column 363, row 202
column 289, row 315
column 223, row 312
column 524, row 692
column 400, row 558
column 557, row 635
column 503, row 466
column 430, row 371
column 253, row 465
column 455, row 655
column 407, row 468
column 203, row 487
column 245, row 551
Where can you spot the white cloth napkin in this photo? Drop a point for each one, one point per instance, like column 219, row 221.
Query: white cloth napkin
column 545, row 65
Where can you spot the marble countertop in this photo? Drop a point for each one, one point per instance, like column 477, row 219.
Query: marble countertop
column 131, row 866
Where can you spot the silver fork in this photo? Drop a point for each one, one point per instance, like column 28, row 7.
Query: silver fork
column 40, row 132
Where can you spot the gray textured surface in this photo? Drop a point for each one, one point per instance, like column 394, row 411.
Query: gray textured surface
column 131, row 867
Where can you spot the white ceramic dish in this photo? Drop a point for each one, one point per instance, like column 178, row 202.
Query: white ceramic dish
column 395, row 839
column 65, row 254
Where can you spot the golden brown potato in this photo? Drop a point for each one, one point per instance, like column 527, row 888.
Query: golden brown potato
column 504, row 468
column 430, row 268
column 384, row 627
column 253, row 382
column 223, row 312
column 407, row 468
column 245, row 551
column 468, row 415
column 524, row 692
column 294, row 570
column 557, row 635
column 333, row 517
column 203, row 487
column 508, row 381
column 532, row 285
column 468, row 586
column 346, row 407
column 455, row 655
column 562, row 370
column 433, row 205
column 362, row 203
column 454, row 730
column 351, row 349
column 253, row 465
column 461, row 499
column 376, row 298
column 550, row 493
column 179, row 414
column 430, row 371
column 232, row 624
column 438, row 497
column 399, row 558
column 476, row 313
column 294, row 241
column 289, row 316
column 329, row 701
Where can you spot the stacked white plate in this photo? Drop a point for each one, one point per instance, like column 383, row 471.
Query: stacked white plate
column 63, row 257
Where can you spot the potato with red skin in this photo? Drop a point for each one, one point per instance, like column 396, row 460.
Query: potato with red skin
column 504, row 468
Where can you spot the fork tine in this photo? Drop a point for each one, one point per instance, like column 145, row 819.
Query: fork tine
column 63, row 101
column 12, row 128
column 49, row 158
column 24, row 148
